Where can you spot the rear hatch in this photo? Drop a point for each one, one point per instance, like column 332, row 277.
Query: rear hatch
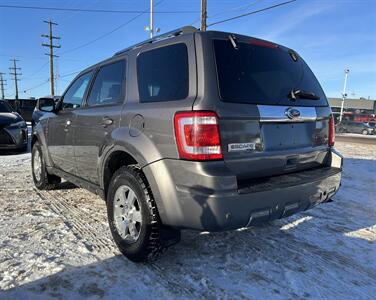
column 273, row 112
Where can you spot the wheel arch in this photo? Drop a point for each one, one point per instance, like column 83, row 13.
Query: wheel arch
column 114, row 161
column 34, row 139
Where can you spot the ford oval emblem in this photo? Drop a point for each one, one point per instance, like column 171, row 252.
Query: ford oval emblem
column 292, row 113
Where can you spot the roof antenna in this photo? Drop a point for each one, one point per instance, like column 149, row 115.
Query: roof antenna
column 233, row 41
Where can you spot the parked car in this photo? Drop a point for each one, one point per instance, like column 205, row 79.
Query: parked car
column 38, row 113
column 13, row 129
column 200, row 130
column 24, row 107
column 356, row 127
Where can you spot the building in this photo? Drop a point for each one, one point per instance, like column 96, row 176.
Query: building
column 360, row 110
column 359, row 106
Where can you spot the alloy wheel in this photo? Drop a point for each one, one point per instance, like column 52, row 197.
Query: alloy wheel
column 37, row 165
column 127, row 214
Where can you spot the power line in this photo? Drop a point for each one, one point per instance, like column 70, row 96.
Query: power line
column 226, row 11
column 36, row 86
column 48, row 80
column 110, row 32
column 89, row 43
column 72, row 73
column 15, row 74
column 251, row 13
column 59, row 77
column 234, row 9
column 98, row 10
column 37, row 71
column 51, row 46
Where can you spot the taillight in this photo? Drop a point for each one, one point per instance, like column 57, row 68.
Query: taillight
column 263, row 43
column 331, row 133
column 197, row 135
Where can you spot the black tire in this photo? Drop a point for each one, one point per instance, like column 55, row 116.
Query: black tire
column 45, row 180
column 148, row 244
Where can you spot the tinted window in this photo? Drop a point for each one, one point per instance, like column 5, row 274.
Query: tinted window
column 75, row 94
column 163, row 74
column 28, row 103
column 263, row 75
column 5, row 107
column 108, row 85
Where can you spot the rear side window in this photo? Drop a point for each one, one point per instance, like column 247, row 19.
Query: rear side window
column 108, row 85
column 258, row 74
column 163, row 74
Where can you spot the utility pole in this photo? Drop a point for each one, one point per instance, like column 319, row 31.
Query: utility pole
column 51, row 46
column 15, row 74
column 203, row 14
column 2, row 83
column 344, row 95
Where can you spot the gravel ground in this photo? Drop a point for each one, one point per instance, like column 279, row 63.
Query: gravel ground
column 57, row 244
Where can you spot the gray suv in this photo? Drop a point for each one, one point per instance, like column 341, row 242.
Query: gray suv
column 191, row 130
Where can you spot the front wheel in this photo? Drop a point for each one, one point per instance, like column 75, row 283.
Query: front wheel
column 365, row 132
column 41, row 178
column 133, row 216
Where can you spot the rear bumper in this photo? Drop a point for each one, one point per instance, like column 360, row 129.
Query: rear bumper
column 11, row 139
column 206, row 196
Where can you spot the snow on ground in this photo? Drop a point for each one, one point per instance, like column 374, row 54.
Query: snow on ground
column 57, row 244
column 357, row 135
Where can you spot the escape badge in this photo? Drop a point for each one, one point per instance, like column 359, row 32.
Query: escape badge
column 241, row 147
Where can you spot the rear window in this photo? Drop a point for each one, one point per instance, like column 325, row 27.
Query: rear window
column 28, row 103
column 259, row 74
column 163, row 74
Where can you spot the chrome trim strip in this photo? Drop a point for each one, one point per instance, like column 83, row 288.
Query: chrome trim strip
column 274, row 113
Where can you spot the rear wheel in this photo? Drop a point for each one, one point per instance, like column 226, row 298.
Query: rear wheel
column 41, row 178
column 365, row 132
column 133, row 216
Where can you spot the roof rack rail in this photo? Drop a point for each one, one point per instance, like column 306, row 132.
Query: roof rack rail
column 176, row 32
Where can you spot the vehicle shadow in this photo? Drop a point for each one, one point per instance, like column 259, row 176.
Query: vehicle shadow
column 15, row 152
column 313, row 253
column 66, row 185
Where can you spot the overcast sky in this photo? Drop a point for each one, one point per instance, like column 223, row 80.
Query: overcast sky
column 330, row 35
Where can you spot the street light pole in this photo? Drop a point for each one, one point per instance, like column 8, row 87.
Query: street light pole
column 344, row 95
column 151, row 19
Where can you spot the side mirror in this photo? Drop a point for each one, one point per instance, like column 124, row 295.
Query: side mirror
column 46, row 104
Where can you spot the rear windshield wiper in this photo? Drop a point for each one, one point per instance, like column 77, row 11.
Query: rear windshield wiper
column 295, row 94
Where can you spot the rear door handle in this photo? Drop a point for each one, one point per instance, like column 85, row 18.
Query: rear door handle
column 106, row 121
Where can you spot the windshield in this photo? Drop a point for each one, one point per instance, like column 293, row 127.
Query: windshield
column 4, row 107
column 261, row 74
